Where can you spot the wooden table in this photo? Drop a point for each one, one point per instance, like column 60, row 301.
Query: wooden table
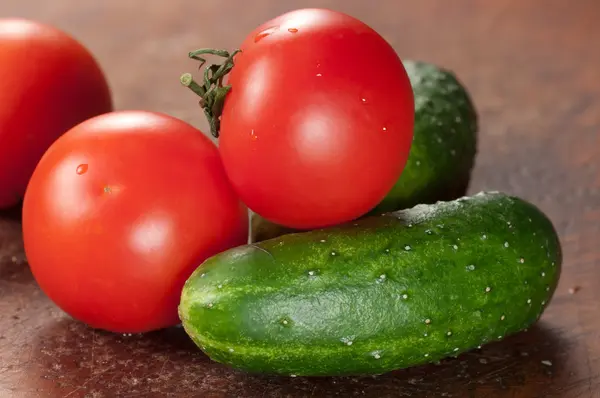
column 533, row 68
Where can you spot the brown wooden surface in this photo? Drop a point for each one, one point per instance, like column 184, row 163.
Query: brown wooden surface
column 533, row 68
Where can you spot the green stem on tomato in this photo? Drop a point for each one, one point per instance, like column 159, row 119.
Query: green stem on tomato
column 212, row 93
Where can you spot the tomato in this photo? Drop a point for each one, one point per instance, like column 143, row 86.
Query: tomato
column 119, row 212
column 49, row 83
column 318, row 124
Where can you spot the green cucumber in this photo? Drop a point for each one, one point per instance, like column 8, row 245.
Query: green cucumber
column 444, row 145
column 379, row 294
column 442, row 153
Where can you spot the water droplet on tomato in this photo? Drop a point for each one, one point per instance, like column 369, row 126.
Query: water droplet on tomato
column 319, row 75
column 253, row 135
column 267, row 32
column 384, row 128
column 293, row 30
column 82, row 169
column 364, row 100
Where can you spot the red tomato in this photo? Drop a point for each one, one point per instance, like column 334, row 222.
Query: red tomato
column 48, row 83
column 319, row 121
column 120, row 211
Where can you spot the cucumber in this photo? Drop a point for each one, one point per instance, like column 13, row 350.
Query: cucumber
column 382, row 293
column 442, row 154
column 444, row 145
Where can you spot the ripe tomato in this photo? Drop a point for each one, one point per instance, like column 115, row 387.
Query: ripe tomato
column 120, row 211
column 48, row 83
column 319, row 121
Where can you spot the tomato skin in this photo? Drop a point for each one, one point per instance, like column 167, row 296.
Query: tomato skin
column 119, row 212
column 319, row 121
column 49, row 83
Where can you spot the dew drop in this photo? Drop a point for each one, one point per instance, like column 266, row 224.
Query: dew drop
column 364, row 100
column 427, row 321
column 265, row 33
column 456, row 349
column 387, row 250
column 418, row 162
column 202, row 275
column 407, row 248
column 311, row 273
column 449, row 333
column 384, row 129
column 528, row 301
column 506, row 244
column 209, row 305
column 322, row 241
column 470, row 267
column 484, row 236
column 429, row 232
column 230, row 350
column 293, row 376
column 293, row 30
column 425, row 334
column 543, row 274
column 502, row 318
column 333, row 253
column 543, row 302
column 219, row 286
column 521, row 260
column 488, row 289
column 319, row 75
column 426, row 355
column 455, row 247
column 82, row 169
column 376, row 354
column 404, row 296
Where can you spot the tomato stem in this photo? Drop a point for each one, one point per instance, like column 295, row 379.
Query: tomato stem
column 212, row 93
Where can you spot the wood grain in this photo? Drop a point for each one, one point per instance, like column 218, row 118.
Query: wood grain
column 532, row 68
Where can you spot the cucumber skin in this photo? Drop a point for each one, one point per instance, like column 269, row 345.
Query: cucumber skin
column 316, row 304
column 444, row 145
column 442, row 154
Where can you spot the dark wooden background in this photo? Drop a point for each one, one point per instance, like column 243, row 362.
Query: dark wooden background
column 533, row 68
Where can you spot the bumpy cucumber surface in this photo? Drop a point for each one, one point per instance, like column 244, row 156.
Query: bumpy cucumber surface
column 444, row 144
column 382, row 293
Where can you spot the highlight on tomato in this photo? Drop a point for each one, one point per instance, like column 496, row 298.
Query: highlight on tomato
column 120, row 211
column 316, row 120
